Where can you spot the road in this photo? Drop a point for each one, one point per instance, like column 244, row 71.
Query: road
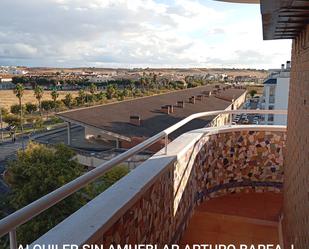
column 8, row 149
column 8, row 152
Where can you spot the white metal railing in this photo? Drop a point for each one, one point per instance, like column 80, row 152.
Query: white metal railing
column 10, row 223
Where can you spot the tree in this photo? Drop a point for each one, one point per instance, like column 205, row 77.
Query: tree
column 143, row 83
column 90, row 98
column 31, row 108
column 36, row 172
column 19, row 92
column 11, row 119
column 155, row 80
column 81, row 96
column 120, row 95
column 68, row 100
column 126, row 92
column 110, row 177
column 40, row 170
column 93, row 89
column 132, row 87
column 4, row 111
column 110, row 92
column 100, row 96
column 15, row 109
column 38, row 93
column 54, row 94
column 137, row 93
column 48, row 105
column 252, row 93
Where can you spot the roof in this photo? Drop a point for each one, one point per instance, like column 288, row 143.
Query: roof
column 282, row 19
column 270, row 81
column 240, row 1
column 114, row 118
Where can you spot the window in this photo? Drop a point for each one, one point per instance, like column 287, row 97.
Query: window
column 271, row 99
column 272, row 91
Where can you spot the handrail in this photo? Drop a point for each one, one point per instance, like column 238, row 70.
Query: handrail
column 21, row 216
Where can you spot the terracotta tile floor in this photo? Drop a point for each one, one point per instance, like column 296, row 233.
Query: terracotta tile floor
column 236, row 219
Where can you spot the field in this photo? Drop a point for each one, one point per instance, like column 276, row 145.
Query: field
column 8, row 98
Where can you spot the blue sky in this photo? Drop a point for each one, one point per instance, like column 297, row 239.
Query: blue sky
column 136, row 33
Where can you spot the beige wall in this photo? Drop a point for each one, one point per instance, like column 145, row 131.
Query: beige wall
column 93, row 162
column 296, row 185
column 223, row 119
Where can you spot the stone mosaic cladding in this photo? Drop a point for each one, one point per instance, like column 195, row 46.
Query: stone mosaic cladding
column 216, row 165
column 240, row 161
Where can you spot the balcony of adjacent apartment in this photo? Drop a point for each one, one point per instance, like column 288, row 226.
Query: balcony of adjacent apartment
column 214, row 185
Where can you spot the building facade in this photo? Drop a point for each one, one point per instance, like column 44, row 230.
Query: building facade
column 296, row 185
column 6, row 83
column 276, row 95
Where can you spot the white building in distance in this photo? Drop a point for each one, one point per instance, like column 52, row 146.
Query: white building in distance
column 276, row 94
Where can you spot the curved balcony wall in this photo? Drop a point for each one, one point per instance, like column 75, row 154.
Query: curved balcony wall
column 154, row 203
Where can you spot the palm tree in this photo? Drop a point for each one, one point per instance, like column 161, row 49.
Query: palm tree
column 38, row 93
column 54, row 94
column 143, row 83
column 19, row 92
column 93, row 89
column 82, row 95
column 68, row 99
column 155, row 80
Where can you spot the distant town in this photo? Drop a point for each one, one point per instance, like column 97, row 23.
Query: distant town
column 77, row 78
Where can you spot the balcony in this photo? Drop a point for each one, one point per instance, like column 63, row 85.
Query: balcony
column 160, row 202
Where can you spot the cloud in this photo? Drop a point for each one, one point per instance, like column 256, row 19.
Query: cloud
column 130, row 33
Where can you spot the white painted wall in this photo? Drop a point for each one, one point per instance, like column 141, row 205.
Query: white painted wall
column 282, row 99
column 281, row 93
column 267, row 90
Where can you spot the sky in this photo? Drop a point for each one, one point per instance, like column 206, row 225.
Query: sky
column 136, row 33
